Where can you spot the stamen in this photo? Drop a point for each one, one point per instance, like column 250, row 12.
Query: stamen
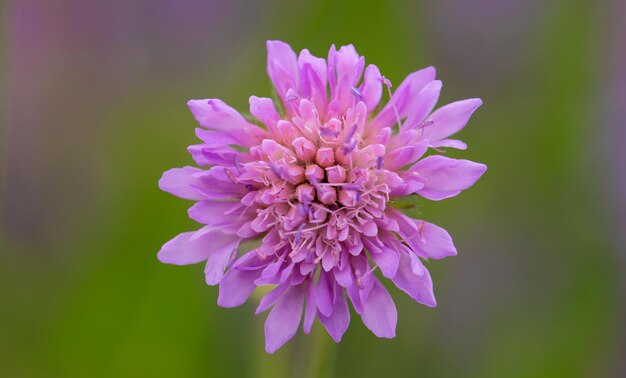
column 359, row 278
column 425, row 123
column 357, row 93
column 379, row 162
column 347, row 148
column 393, row 103
column 351, row 132
column 298, row 234
column 327, row 132
column 230, row 176
column 303, row 208
column 277, row 170
column 233, row 257
column 352, row 187
column 237, row 165
column 291, row 96
column 315, row 183
column 249, row 187
column 308, row 229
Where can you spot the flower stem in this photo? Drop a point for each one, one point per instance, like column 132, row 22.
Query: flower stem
column 321, row 354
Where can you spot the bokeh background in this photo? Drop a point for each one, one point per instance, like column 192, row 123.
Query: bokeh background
column 93, row 109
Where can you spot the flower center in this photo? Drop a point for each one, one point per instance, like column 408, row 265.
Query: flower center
column 319, row 188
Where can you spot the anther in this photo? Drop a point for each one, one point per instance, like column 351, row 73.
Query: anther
column 379, row 162
column 237, row 165
column 357, row 93
column 276, row 170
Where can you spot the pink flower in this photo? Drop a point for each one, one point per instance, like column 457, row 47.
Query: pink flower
column 314, row 183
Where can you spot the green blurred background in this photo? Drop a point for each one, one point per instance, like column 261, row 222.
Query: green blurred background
column 93, row 110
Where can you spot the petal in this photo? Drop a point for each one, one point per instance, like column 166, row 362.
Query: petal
column 226, row 216
column 450, row 143
column 337, row 324
column 434, row 241
column 216, row 115
column 182, row 251
column 310, row 309
column 379, row 312
column 283, row 321
column 372, row 88
column 406, row 155
column 282, row 67
column 205, row 155
column 236, row 287
column 270, row 298
column 445, row 177
column 423, row 104
column 343, row 276
column 219, row 183
column 222, row 248
column 426, row 239
column 215, row 138
column 417, row 286
column 408, row 90
column 387, row 260
column 238, row 283
column 451, row 118
column 189, row 248
column 345, row 68
column 313, row 78
column 323, row 294
column 263, row 109
column 181, row 181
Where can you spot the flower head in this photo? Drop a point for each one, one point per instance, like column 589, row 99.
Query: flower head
column 315, row 183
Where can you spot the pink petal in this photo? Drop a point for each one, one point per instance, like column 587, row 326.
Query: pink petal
column 323, row 295
column 180, row 251
column 181, row 182
column 406, row 155
column 423, row 104
column 217, row 183
column 434, row 241
column 310, row 309
column 216, row 115
column 343, row 276
column 451, row 118
column 225, row 216
column 282, row 67
column 313, row 78
column 215, row 138
column 283, row 321
column 189, row 248
column 417, row 286
column 445, row 177
column 387, row 260
column 402, row 98
column 449, row 143
column 379, row 312
column 372, row 87
column 238, row 283
column 344, row 69
column 264, row 110
column 222, row 248
column 426, row 239
column 205, row 155
column 337, row 324
column 270, row 298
